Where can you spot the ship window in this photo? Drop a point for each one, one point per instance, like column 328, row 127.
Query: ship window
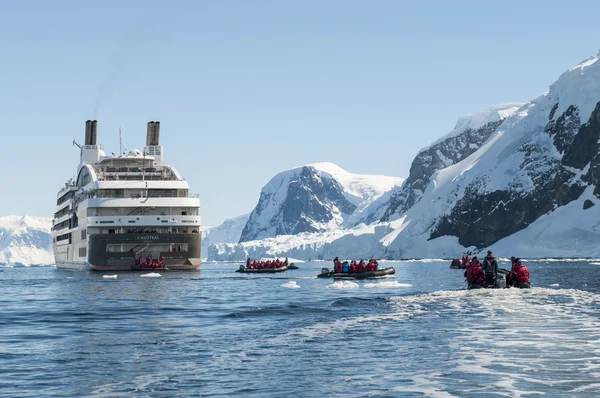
column 63, row 237
column 110, row 193
column 62, row 212
column 111, row 231
column 84, row 177
column 82, row 251
column 83, row 234
column 61, row 225
column 65, row 197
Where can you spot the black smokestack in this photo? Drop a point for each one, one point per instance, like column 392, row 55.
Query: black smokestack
column 152, row 133
column 88, row 132
column 94, row 132
column 149, row 133
column 156, row 137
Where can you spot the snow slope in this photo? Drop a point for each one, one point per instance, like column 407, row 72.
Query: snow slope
column 569, row 231
column 25, row 240
column 467, row 137
column 479, row 119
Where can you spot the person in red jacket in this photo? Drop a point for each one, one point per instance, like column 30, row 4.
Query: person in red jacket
column 337, row 265
column 248, row 263
column 475, row 275
column 519, row 276
column 371, row 266
column 361, row 266
column 353, row 267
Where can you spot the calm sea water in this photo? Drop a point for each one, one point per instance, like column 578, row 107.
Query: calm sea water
column 218, row 333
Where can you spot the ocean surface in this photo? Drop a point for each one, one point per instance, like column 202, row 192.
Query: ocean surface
column 215, row 332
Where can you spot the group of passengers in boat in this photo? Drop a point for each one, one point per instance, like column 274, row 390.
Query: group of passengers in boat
column 485, row 274
column 265, row 264
column 354, row 266
column 149, row 263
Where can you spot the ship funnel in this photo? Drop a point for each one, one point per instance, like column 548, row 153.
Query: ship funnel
column 156, row 133
column 94, row 132
column 152, row 133
column 88, row 132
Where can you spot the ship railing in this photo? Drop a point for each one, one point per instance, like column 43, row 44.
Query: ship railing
column 66, row 188
column 134, row 177
column 95, row 194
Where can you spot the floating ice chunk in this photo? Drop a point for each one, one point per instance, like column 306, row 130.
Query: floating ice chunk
column 386, row 285
column 343, row 285
column 151, row 275
column 291, row 285
column 109, row 276
column 555, row 285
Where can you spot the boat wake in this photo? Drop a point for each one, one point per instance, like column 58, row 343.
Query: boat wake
column 509, row 342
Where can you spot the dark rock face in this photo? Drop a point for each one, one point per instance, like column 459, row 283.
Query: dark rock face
column 587, row 204
column 481, row 219
column 310, row 199
column 437, row 157
column 564, row 128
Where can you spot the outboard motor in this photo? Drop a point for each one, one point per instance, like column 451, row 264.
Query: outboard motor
column 242, row 267
column 501, row 282
column 324, row 271
column 501, row 278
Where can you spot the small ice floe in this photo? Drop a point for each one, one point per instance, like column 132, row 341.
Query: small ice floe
column 291, row 285
column 343, row 285
column 386, row 285
column 151, row 275
column 109, row 276
column 555, row 285
column 595, row 263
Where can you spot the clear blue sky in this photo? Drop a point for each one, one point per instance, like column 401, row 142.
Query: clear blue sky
column 246, row 89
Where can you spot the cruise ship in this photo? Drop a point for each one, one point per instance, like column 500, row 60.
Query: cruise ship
column 125, row 211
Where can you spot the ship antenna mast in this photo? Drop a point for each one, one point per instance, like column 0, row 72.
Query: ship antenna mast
column 120, row 142
column 77, row 144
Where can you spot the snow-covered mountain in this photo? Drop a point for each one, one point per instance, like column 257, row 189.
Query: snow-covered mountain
column 521, row 178
column 317, row 197
column 536, row 168
column 25, row 240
